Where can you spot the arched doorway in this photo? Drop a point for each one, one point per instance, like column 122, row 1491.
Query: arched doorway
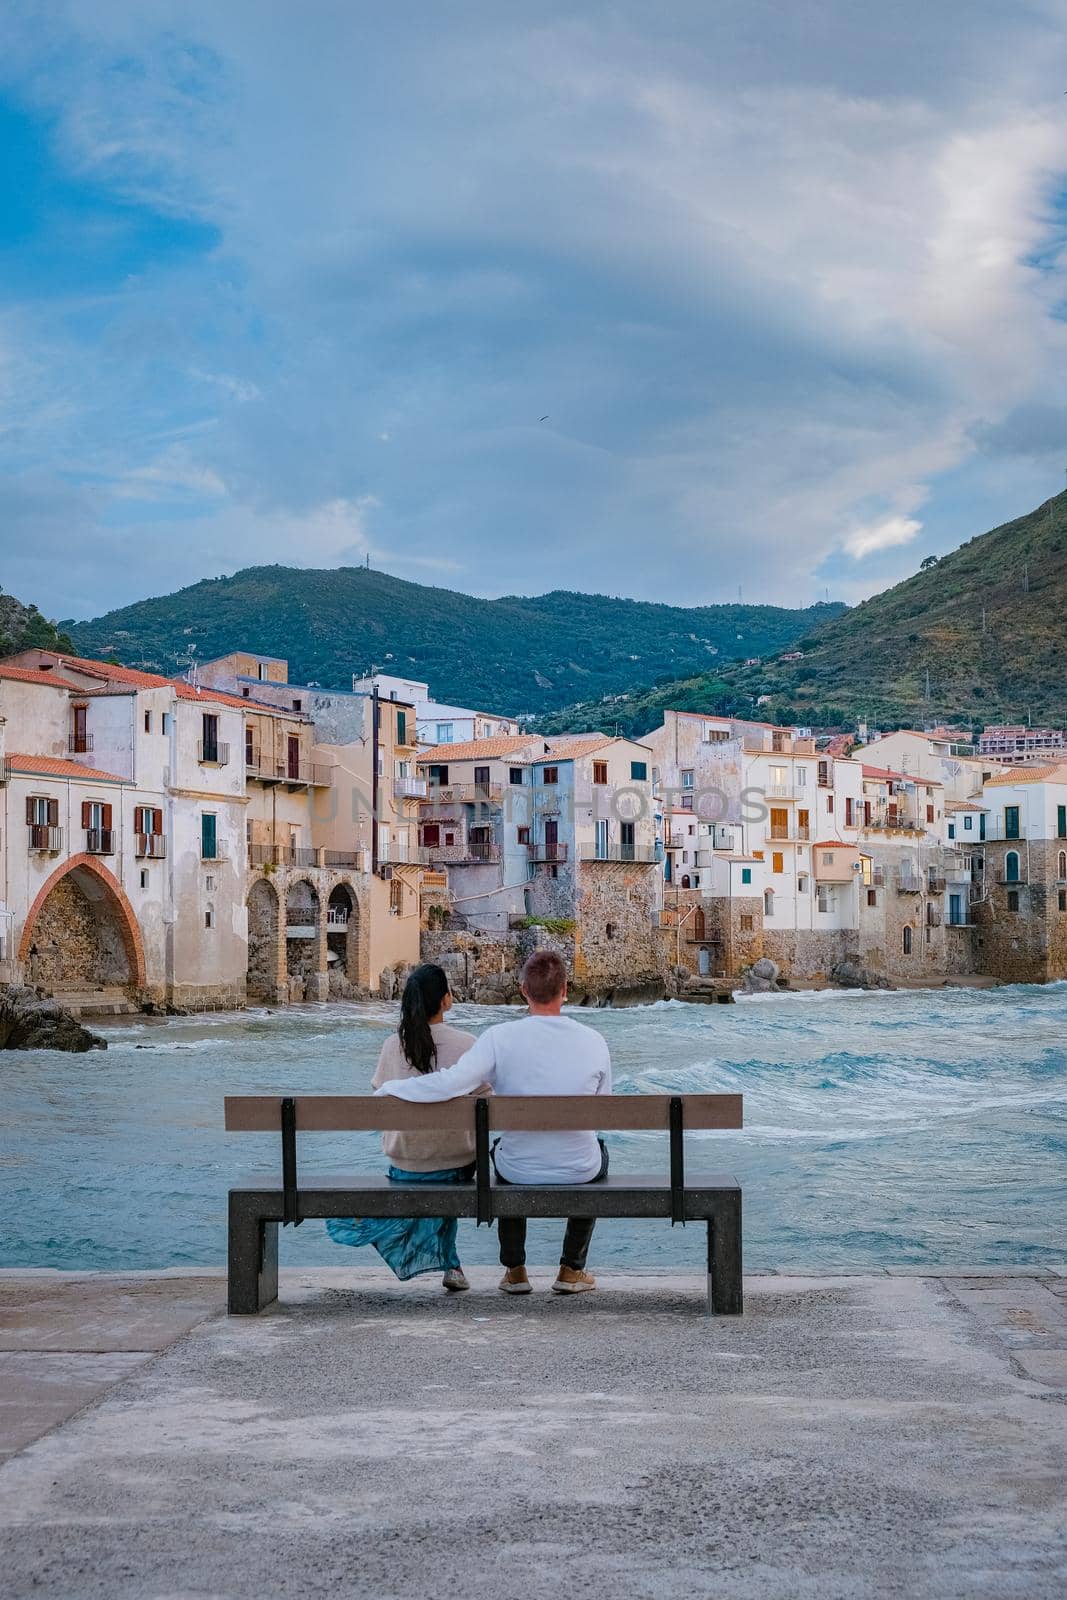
column 81, row 932
column 264, row 963
column 700, row 928
column 342, row 940
column 301, row 936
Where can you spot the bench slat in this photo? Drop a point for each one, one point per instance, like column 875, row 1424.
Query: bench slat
column 331, row 1113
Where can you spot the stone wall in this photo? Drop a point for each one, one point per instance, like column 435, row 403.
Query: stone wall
column 76, row 942
column 615, row 937
column 1028, row 945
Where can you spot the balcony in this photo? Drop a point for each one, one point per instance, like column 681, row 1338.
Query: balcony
column 936, row 883
column 958, row 922
column 79, row 744
column 282, row 855
column 1011, row 883
column 150, row 846
column 782, row 791
column 100, row 841
column 409, row 788
column 933, row 917
column 45, row 840
column 344, row 858
column 337, row 919
column 792, row 833
column 907, row 883
column 313, row 773
column 463, row 794
column 212, row 753
column 551, row 853
column 618, row 852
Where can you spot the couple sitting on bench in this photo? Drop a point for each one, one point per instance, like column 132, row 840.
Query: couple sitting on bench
column 544, row 1053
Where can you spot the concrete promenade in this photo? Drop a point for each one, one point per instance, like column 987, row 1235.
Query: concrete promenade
column 879, row 1435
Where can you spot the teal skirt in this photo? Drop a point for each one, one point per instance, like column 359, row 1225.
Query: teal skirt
column 409, row 1245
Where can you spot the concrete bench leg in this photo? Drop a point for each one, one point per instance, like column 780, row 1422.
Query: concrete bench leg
column 725, row 1292
column 253, row 1262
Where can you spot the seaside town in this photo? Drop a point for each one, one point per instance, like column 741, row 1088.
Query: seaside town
column 231, row 838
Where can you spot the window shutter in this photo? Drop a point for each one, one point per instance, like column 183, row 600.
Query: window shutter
column 86, row 815
column 30, row 818
column 107, row 816
column 157, row 821
column 53, row 813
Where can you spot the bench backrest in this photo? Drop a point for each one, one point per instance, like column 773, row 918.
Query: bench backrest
column 483, row 1114
column 355, row 1113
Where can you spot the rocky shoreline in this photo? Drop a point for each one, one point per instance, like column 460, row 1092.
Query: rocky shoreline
column 31, row 1020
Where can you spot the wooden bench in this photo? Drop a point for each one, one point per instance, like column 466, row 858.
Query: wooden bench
column 257, row 1209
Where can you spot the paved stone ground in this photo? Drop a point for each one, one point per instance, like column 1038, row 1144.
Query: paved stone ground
column 851, row 1436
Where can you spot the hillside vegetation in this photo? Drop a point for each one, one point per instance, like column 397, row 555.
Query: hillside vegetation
column 512, row 655
column 987, row 623
column 22, row 627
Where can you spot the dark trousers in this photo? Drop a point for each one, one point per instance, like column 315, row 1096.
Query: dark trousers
column 511, row 1231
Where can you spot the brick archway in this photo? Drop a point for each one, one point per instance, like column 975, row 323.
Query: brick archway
column 86, row 867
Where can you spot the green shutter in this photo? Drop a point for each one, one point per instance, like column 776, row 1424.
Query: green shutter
column 746, row 874
column 208, row 837
column 401, row 727
column 639, row 771
column 1061, row 822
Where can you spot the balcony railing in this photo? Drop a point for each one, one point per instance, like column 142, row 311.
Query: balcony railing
column 936, row 882
column 409, row 788
column 1011, row 883
column 100, row 841
column 618, row 852
column 79, row 744
column 958, row 922
column 465, row 794
column 212, row 753
column 342, row 858
column 151, row 846
column 547, row 852
column 908, row 884
column 314, row 773
column 44, row 838
column 337, row 918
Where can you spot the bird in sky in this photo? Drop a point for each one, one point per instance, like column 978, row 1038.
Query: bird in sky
column 546, row 416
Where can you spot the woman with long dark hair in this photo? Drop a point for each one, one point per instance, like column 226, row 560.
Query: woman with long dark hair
column 424, row 1042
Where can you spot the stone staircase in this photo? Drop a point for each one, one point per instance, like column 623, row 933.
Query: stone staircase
column 111, row 1000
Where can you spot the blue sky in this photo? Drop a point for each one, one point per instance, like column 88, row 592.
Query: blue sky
column 785, row 282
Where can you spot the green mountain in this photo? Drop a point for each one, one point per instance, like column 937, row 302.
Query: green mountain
column 514, row 655
column 22, row 627
column 978, row 636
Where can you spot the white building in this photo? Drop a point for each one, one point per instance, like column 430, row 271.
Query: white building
column 437, row 722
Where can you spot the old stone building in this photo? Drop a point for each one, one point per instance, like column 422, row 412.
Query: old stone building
column 1021, row 917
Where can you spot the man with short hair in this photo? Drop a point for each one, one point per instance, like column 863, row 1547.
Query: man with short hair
column 542, row 1053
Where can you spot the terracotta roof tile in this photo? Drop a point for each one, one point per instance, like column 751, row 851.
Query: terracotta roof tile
column 1053, row 774
column 567, row 747
column 56, row 767
column 35, row 675
column 502, row 745
column 133, row 678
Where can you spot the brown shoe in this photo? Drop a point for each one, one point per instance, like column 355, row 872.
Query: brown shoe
column 515, row 1281
column 570, row 1281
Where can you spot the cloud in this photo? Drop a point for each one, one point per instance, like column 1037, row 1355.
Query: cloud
column 884, row 535
column 780, row 276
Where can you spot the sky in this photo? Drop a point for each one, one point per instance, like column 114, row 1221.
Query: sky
column 678, row 301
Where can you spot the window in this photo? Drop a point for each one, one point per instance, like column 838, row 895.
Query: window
column 396, row 898
column 164, row 723
column 827, row 858
column 1062, row 899
column 746, row 874
column 968, row 824
column 655, row 777
column 1061, row 865
column 638, row 771
column 1013, row 899
column 746, row 922
column 549, row 775
column 610, row 930
column 906, row 941
column 929, row 813
column 952, row 830
column 250, row 746
column 246, row 693
column 1061, row 822
column 687, row 802
column 438, row 776
column 209, row 917
column 802, row 777
column 147, row 820
column 209, row 837
column 600, row 772
column 829, row 804
column 481, row 777
column 431, row 835
column 825, row 900
column 768, row 902
column 515, row 777
column 802, row 883
column 144, row 877
column 1011, row 866
column 444, row 733
column 602, row 838
column 777, row 861
column 450, row 837
column 79, row 737
column 298, row 705
column 148, row 722
column 872, row 897
column 687, row 778
column 1011, row 822
column 848, row 812
column 523, row 835
column 96, row 820
column 402, row 727
column 209, row 882
column 209, row 737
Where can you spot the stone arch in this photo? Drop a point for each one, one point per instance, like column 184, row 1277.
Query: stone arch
column 265, row 963
column 342, row 933
column 89, row 881
column 303, row 912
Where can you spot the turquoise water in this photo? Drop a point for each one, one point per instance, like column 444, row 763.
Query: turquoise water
column 903, row 1128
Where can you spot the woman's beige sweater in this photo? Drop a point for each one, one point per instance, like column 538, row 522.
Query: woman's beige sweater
column 425, row 1152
